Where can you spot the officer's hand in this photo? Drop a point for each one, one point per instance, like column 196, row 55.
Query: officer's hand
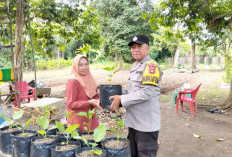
column 95, row 103
column 116, row 102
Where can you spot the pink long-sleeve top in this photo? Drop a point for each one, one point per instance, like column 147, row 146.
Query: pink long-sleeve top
column 77, row 101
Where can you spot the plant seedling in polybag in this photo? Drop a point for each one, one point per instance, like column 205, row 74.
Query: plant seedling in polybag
column 112, row 71
column 88, row 115
column 13, row 122
column 98, row 135
column 70, row 131
column 119, row 127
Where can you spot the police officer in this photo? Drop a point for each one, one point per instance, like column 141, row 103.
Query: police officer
column 140, row 99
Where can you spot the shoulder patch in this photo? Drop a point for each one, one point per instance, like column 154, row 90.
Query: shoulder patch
column 151, row 73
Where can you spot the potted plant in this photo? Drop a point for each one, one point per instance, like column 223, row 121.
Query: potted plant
column 21, row 140
column 117, row 146
column 5, row 132
column 41, row 145
column 89, row 133
column 107, row 90
column 91, row 148
column 66, row 148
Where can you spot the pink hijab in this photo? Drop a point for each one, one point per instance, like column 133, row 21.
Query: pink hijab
column 86, row 81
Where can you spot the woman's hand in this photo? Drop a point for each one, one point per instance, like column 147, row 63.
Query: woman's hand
column 95, row 103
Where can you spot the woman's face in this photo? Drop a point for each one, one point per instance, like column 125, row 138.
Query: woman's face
column 83, row 67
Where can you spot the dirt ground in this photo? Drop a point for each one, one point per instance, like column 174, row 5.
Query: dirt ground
column 213, row 132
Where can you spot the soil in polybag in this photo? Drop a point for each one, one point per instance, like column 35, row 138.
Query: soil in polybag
column 84, row 151
column 121, row 149
column 106, row 91
column 5, row 139
column 64, row 150
column 21, row 144
column 41, row 146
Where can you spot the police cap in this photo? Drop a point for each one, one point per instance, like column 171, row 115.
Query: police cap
column 139, row 39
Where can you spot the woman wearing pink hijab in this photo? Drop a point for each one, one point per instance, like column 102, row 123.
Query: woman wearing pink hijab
column 82, row 94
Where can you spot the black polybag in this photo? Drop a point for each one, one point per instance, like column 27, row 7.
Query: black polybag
column 106, row 91
column 39, row 149
column 21, row 145
column 117, row 152
column 5, row 140
column 82, row 149
column 66, row 153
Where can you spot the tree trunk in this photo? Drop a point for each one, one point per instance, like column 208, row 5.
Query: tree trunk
column 18, row 57
column 228, row 103
column 116, row 58
column 175, row 57
column 120, row 61
column 193, row 54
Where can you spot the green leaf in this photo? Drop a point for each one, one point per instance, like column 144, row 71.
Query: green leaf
column 17, row 115
column 74, row 133
column 67, row 115
column 107, row 68
column 116, row 71
column 84, row 114
column 28, row 122
column 84, row 139
column 99, row 133
column 113, row 130
column 85, row 128
column 43, row 122
column 41, row 132
column 93, row 144
column 91, row 113
column 97, row 151
column 72, row 128
column 4, row 117
column 60, row 127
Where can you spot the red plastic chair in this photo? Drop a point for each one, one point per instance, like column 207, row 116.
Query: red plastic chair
column 191, row 101
column 23, row 89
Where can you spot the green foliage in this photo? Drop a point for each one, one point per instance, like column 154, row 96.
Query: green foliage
column 228, row 70
column 53, row 64
column 111, row 71
column 44, row 121
column 15, row 121
column 5, row 62
column 99, row 134
column 120, row 125
column 88, row 115
column 70, row 131
column 120, row 20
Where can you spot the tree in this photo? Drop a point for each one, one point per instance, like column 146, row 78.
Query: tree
column 171, row 12
column 219, row 22
column 19, row 40
column 213, row 16
column 120, row 20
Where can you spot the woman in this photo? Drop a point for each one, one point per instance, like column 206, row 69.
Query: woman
column 82, row 94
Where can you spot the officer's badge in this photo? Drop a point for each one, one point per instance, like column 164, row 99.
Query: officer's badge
column 151, row 73
column 151, row 68
column 135, row 38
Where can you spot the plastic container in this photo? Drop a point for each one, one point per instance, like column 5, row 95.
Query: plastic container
column 106, row 91
column 21, row 145
column 117, row 152
column 42, row 149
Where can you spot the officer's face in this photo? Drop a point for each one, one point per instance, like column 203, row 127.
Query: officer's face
column 83, row 67
column 139, row 51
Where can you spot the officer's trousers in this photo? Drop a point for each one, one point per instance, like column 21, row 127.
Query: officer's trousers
column 143, row 144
